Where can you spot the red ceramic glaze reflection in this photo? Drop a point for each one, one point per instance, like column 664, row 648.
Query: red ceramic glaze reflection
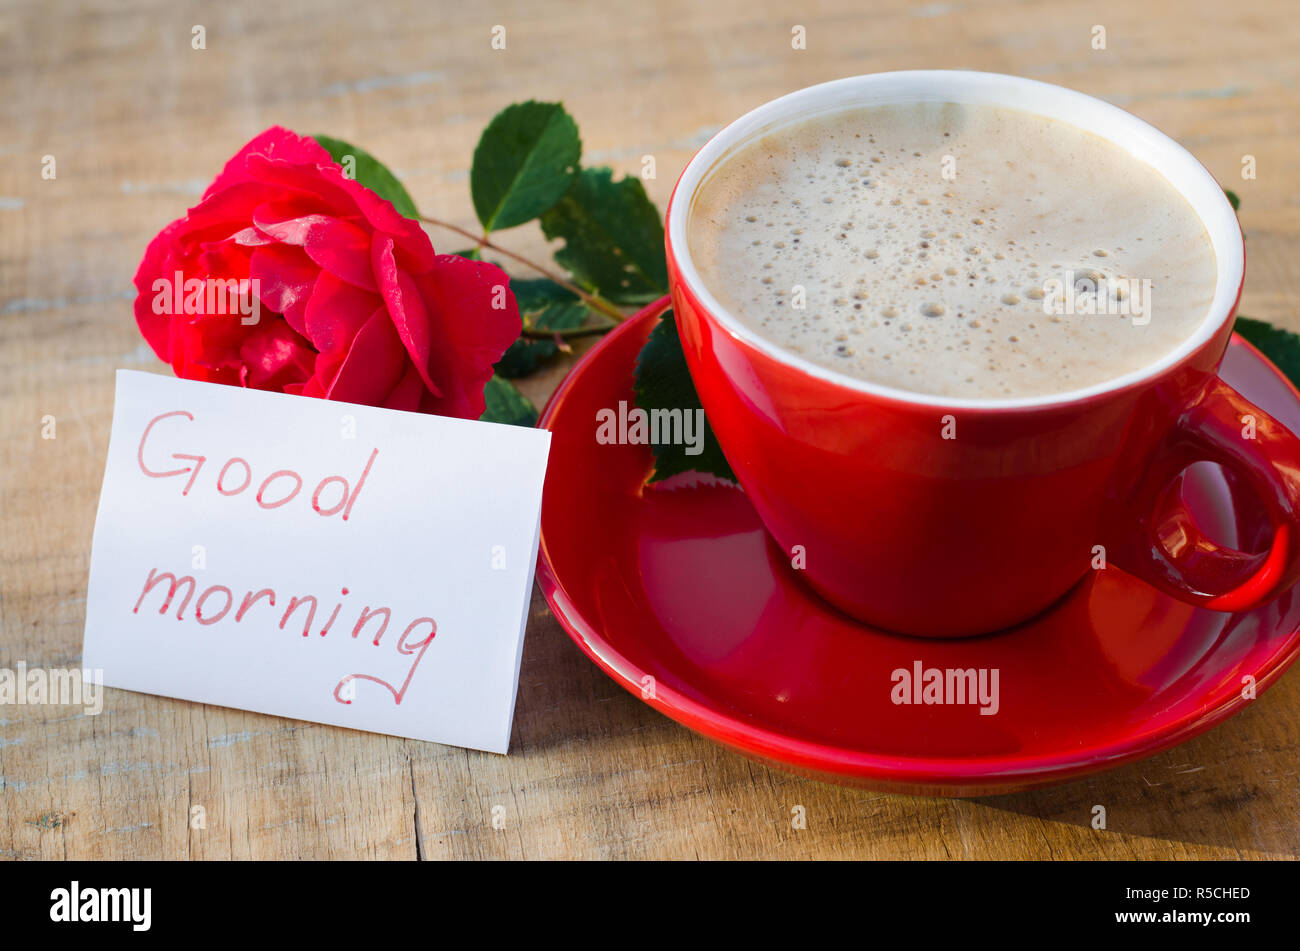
column 683, row 585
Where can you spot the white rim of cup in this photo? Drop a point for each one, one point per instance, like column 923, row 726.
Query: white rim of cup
column 1143, row 141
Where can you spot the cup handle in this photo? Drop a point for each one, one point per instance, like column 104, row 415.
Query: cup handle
column 1155, row 537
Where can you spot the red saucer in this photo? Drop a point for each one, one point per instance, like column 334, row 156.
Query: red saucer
column 682, row 585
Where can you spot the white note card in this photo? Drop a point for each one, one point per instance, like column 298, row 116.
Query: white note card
column 344, row 564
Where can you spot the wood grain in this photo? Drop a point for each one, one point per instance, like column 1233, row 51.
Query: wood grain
column 139, row 122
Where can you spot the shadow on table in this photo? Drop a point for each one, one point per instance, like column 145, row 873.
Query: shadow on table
column 563, row 697
column 1234, row 787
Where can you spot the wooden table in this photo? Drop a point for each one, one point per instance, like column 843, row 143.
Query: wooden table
column 138, row 122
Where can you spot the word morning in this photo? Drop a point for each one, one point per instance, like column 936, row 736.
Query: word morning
column 216, row 602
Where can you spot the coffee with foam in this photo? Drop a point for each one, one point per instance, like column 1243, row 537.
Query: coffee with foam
column 955, row 250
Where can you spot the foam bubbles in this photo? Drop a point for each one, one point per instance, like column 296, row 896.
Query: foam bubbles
column 869, row 248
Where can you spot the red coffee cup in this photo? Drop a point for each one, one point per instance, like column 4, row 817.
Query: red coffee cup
column 947, row 517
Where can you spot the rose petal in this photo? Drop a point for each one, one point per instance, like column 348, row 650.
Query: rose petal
column 470, row 333
column 405, row 307
column 207, row 348
column 338, row 246
column 374, row 365
column 152, row 305
column 343, row 197
column 274, row 355
column 289, row 219
column 276, row 142
column 222, row 214
column 286, row 278
column 408, row 392
column 251, row 237
column 327, row 191
column 413, row 248
column 228, row 258
column 336, row 311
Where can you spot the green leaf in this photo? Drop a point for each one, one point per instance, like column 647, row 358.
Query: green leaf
column 664, row 382
column 1280, row 346
column 613, row 237
column 505, row 404
column 1233, row 199
column 525, row 161
column 524, row 355
column 371, row 172
column 534, row 294
column 562, row 315
column 470, row 254
column 535, row 298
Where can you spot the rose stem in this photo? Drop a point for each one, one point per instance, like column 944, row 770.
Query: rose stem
column 595, row 303
column 533, row 333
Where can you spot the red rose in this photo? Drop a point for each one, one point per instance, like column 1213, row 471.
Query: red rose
column 351, row 301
